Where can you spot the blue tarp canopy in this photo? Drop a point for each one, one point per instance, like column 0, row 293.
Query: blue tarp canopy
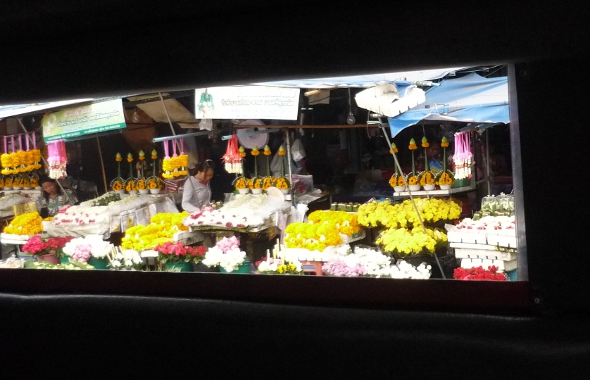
column 471, row 98
column 364, row 81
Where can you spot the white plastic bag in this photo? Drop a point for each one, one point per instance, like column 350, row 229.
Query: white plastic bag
column 297, row 150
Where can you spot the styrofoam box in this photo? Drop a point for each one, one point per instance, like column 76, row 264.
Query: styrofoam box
column 481, row 251
column 503, row 266
column 502, row 241
column 467, row 237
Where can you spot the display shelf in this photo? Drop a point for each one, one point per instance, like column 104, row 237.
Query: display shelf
column 356, row 237
column 419, row 193
column 481, row 251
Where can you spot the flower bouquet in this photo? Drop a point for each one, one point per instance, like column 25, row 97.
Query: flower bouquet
column 479, row 274
column 397, row 180
column 91, row 249
column 130, row 182
column 412, row 178
column 426, row 178
column 154, row 183
column 445, row 178
column 118, row 184
column 141, row 182
column 255, row 183
column 127, row 259
column 402, row 242
column 269, row 179
column 174, row 253
column 50, row 250
column 282, row 183
column 227, row 255
column 241, row 182
column 278, row 266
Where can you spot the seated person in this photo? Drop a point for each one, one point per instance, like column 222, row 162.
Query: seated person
column 54, row 197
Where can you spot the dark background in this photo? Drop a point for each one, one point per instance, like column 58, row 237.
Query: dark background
column 225, row 326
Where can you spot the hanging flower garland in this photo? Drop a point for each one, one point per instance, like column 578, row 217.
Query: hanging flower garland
column 232, row 156
column 463, row 155
column 57, row 159
column 175, row 166
column 19, row 160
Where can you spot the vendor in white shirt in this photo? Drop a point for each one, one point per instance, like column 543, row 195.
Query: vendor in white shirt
column 197, row 192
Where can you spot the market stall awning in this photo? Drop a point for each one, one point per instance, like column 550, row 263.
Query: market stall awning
column 365, row 81
column 471, row 98
column 23, row 109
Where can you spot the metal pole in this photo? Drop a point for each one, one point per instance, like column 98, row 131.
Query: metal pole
column 45, row 162
column 288, row 139
column 411, row 197
column 489, row 177
column 168, row 117
column 104, row 176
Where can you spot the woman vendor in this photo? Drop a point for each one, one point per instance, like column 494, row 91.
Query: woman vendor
column 197, row 192
column 54, row 197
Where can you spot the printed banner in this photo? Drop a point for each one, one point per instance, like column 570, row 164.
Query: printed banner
column 84, row 120
column 247, row 102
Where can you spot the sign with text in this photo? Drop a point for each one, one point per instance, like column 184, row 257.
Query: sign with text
column 247, row 102
column 84, row 120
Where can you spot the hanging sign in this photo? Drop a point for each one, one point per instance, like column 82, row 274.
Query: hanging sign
column 84, row 120
column 247, row 102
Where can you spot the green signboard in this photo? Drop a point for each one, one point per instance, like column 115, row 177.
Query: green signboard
column 84, row 120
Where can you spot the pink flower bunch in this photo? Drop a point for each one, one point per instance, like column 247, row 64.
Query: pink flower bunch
column 82, row 252
column 34, row 245
column 178, row 252
column 37, row 246
column 340, row 268
column 227, row 244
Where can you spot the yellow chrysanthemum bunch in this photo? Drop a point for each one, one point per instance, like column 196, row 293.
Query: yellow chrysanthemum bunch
column 161, row 229
column 344, row 222
column 384, row 214
column 311, row 236
column 404, row 242
column 25, row 224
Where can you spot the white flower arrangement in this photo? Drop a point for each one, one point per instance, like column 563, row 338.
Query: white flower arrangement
column 82, row 249
column 127, row 259
column 229, row 261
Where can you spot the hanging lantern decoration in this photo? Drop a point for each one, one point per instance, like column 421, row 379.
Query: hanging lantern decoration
column 397, row 180
column 57, row 159
column 445, row 178
column 426, row 177
column 232, row 156
column 175, row 166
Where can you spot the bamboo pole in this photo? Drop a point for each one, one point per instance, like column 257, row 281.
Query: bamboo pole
column 104, row 176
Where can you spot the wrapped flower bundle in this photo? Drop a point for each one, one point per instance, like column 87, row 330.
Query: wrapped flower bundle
column 178, row 253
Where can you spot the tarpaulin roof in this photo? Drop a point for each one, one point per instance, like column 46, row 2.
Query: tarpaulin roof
column 471, row 98
column 364, row 80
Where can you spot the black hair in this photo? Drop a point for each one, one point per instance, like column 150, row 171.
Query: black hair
column 203, row 166
column 45, row 179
